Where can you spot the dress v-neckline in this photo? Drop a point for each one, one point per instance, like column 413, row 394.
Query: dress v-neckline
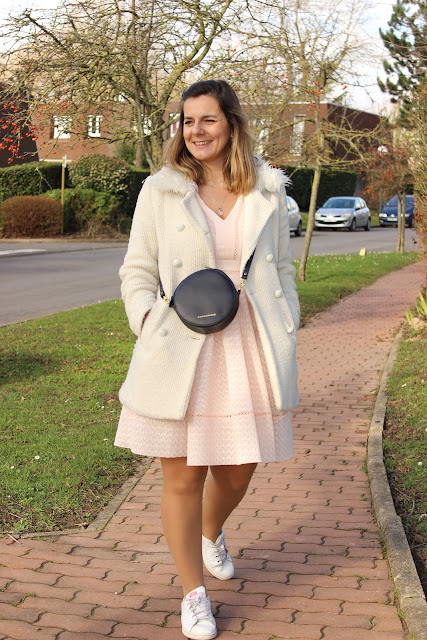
column 216, row 215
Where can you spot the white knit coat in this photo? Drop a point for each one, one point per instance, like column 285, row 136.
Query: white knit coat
column 170, row 237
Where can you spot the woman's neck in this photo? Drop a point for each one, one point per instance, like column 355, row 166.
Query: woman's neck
column 213, row 174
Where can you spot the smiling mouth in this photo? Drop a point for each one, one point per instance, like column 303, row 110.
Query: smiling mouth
column 202, row 143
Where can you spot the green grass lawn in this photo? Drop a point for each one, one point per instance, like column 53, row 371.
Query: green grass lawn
column 59, row 380
column 405, row 442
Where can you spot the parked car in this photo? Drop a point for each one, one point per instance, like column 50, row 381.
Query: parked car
column 295, row 222
column 343, row 212
column 388, row 213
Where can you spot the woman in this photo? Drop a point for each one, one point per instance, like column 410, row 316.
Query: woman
column 218, row 401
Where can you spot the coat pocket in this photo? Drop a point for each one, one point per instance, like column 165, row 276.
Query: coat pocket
column 154, row 319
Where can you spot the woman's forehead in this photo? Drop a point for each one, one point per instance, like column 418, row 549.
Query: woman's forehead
column 202, row 106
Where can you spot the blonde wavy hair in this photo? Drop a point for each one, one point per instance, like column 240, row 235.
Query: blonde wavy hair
column 239, row 165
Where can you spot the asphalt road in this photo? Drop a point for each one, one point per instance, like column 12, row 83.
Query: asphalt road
column 39, row 278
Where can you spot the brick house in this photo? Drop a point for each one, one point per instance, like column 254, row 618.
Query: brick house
column 291, row 145
column 295, row 132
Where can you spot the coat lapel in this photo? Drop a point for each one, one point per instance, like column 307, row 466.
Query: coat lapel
column 198, row 219
column 257, row 212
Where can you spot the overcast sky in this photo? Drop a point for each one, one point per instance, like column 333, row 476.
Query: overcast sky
column 369, row 98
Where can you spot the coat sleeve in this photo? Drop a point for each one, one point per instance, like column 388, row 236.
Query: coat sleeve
column 285, row 266
column 139, row 272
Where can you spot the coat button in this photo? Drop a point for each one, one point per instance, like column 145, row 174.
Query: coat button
column 177, row 262
column 162, row 332
column 290, row 330
column 278, row 293
column 269, row 258
column 180, row 227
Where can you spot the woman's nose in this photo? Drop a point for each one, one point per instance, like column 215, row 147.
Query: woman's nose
column 198, row 127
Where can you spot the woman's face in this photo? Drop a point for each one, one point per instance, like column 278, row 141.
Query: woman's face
column 206, row 130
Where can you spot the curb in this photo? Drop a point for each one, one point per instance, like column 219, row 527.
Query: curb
column 50, row 252
column 410, row 595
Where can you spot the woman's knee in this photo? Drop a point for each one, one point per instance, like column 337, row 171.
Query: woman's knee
column 233, row 479
column 179, row 479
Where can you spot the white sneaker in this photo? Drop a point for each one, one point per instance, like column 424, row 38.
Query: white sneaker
column 216, row 557
column 197, row 620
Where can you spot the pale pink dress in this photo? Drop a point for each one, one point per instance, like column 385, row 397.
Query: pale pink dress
column 231, row 417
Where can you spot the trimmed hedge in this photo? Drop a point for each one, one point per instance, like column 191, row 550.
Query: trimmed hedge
column 111, row 175
column 88, row 209
column 30, row 217
column 101, row 173
column 35, row 178
column 30, row 179
column 333, row 182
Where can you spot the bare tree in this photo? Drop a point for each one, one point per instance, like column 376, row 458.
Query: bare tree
column 301, row 52
column 121, row 58
column 387, row 170
column 419, row 162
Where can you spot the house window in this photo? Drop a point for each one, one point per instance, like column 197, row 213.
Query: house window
column 61, row 127
column 94, row 126
column 297, row 136
column 261, row 132
column 173, row 127
column 146, row 126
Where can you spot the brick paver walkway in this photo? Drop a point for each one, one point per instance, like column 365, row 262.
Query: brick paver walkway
column 309, row 562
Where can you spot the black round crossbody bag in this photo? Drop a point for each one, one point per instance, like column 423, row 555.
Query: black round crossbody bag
column 206, row 301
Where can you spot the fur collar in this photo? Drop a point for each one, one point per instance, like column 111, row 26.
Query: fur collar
column 167, row 179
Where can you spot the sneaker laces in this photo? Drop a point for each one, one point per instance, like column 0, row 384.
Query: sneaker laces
column 221, row 554
column 199, row 607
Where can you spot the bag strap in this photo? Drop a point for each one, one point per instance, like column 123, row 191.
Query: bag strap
column 162, row 292
column 242, row 281
column 248, row 266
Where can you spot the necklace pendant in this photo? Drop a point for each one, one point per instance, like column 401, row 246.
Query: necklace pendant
column 220, row 211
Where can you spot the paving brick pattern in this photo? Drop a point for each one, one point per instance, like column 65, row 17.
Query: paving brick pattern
column 309, row 563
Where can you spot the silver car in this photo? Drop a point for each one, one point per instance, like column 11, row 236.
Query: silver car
column 343, row 212
column 295, row 222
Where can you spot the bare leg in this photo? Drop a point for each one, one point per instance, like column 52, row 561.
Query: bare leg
column 182, row 518
column 225, row 488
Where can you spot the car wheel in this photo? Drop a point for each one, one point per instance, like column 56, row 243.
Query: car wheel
column 298, row 230
column 352, row 226
column 410, row 223
column 382, row 224
column 368, row 225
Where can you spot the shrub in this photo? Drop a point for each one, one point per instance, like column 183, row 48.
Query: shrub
column 109, row 175
column 101, row 173
column 30, row 217
column 88, row 209
column 30, row 179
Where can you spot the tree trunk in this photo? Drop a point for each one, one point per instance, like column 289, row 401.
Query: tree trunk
column 310, row 222
column 401, row 210
column 139, row 155
column 156, row 140
column 402, row 224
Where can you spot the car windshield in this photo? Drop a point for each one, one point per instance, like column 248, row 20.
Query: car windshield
column 339, row 203
column 393, row 201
